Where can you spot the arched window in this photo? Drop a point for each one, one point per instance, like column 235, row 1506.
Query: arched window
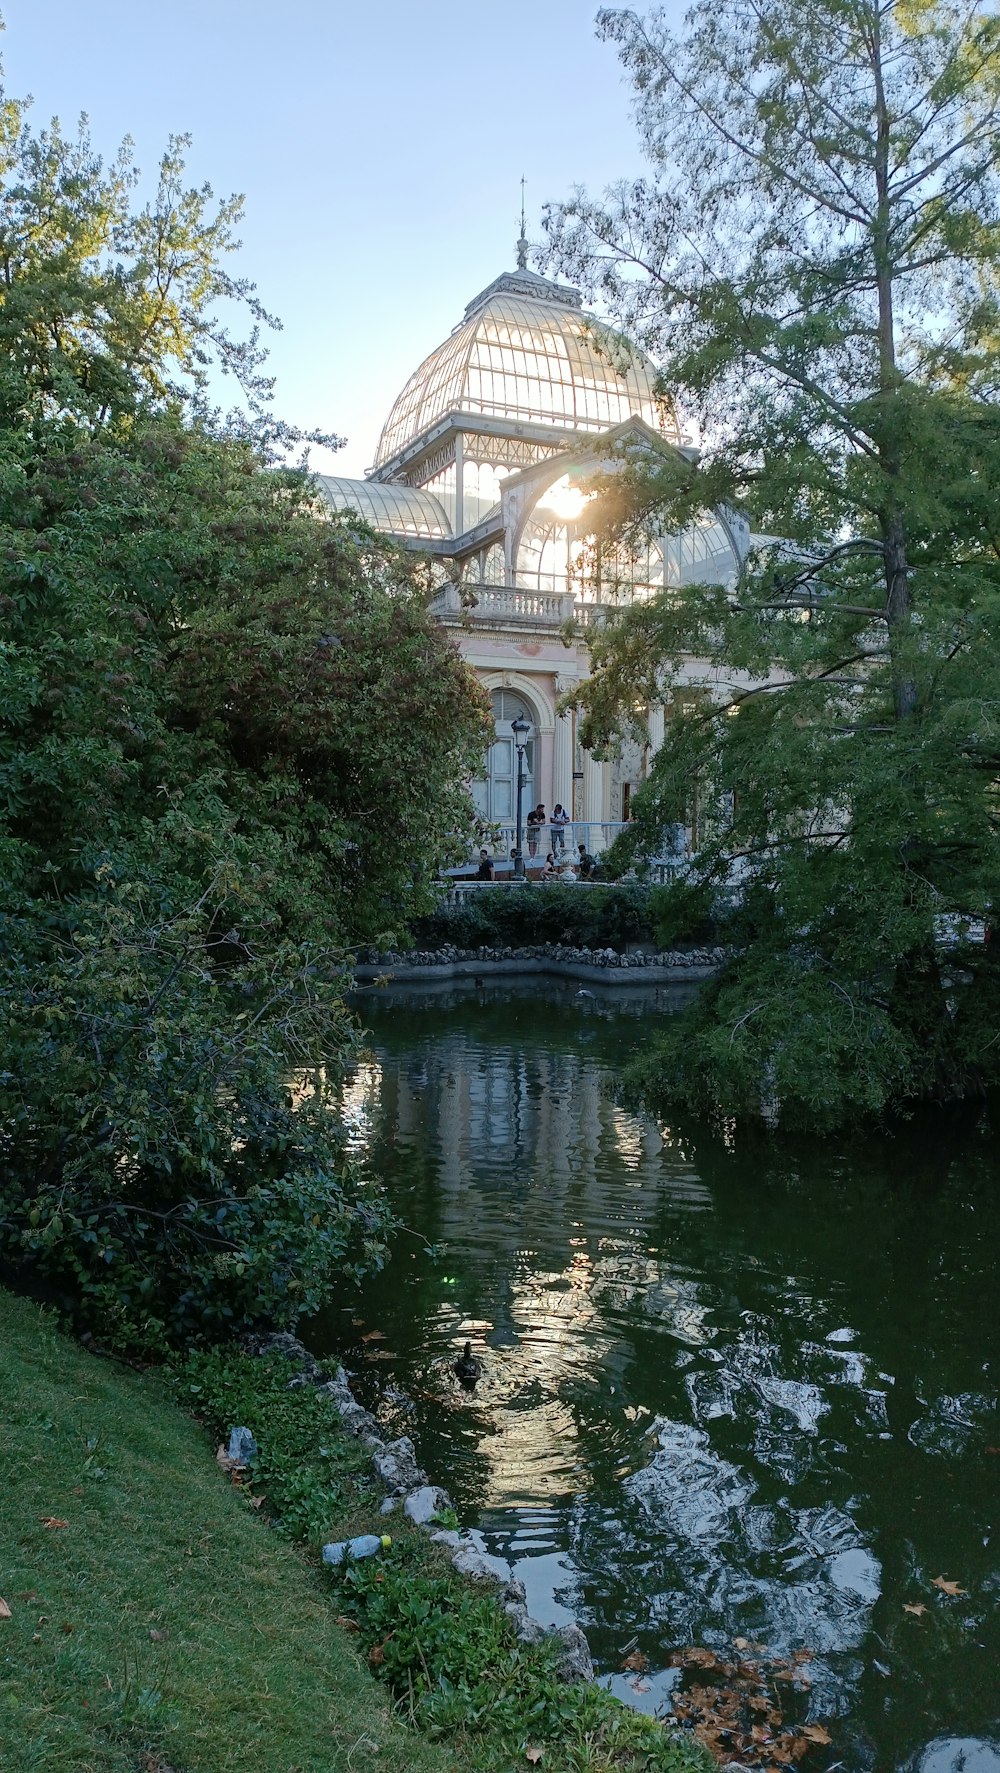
column 557, row 554
column 495, row 793
column 494, row 569
column 545, row 556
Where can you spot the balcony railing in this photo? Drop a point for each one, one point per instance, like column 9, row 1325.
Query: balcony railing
column 563, row 841
column 516, row 604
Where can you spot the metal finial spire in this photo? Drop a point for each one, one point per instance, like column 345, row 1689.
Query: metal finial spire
column 522, row 245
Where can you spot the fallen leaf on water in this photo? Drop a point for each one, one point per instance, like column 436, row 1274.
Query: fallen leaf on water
column 792, row 1748
column 533, row 1755
column 696, row 1657
column 5, row 1612
column 640, row 1686
column 747, row 1671
column 374, row 1336
column 816, row 1733
column 713, row 1739
column 951, row 1588
column 636, row 1661
column 52, row 1520
column 916, row 1607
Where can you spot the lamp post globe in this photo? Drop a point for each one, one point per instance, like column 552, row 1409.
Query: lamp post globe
column 522, row 732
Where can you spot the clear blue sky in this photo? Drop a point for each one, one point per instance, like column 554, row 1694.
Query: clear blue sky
column 379, row 146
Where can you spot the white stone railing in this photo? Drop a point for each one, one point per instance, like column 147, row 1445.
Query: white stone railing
column 509, row 602
column 563, row 841
column 502, row 603
column 473, row 602
column 590, row 615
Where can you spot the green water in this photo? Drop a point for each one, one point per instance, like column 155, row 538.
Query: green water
column 726, row 1391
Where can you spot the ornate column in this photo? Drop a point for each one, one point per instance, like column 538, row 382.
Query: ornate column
column 596, row 776
column 562, row 767
column 459, row 485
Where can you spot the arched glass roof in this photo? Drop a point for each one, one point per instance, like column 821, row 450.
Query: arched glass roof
column 555, row 553
column 393, row 510
column 530, row 358
column 703, row 554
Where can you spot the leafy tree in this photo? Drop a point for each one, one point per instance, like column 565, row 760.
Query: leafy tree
column 813, row 259
column 176, row 614
column 108, row 308
column 233, row 742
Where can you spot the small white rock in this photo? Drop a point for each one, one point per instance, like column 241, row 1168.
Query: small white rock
column 423, row 1504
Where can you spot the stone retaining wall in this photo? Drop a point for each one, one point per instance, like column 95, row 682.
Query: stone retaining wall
column 557, row 960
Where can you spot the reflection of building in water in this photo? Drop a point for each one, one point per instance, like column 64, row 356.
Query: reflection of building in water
column 357, row 1096
column 537, row 1130
column 538, row 1165
column 535, row 1164
column 537, row 1123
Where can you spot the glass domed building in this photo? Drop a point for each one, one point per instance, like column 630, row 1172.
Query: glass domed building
column 481, row 464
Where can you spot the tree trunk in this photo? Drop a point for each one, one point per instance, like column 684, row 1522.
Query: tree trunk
column 897, row 612
column 897, row 581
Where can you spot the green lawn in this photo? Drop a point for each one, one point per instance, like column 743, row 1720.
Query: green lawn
column 163, row 1629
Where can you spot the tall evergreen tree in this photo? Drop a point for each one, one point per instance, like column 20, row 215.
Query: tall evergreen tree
column 813, row 260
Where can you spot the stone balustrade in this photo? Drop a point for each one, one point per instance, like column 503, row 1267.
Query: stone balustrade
column 520, row 605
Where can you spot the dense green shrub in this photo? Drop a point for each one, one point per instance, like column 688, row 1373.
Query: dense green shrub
column 682, row 911
column 209, row 695
column 595, row 917
column 155, row 1170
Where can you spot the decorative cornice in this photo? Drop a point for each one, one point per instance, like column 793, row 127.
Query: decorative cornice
column 526, row 283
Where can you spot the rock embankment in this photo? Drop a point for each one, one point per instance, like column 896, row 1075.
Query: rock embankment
column 646, row 966
column 394, row 1463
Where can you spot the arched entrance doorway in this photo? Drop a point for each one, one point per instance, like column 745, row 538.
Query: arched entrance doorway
column 495, row 793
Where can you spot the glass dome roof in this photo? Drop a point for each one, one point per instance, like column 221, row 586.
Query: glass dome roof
column 527, row 353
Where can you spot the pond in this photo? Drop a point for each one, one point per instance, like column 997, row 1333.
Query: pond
column 728, row 1391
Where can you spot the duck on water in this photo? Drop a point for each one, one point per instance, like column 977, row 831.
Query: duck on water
column 467, row 1368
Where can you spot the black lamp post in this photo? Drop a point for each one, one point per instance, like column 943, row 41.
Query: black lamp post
column 521, row 731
